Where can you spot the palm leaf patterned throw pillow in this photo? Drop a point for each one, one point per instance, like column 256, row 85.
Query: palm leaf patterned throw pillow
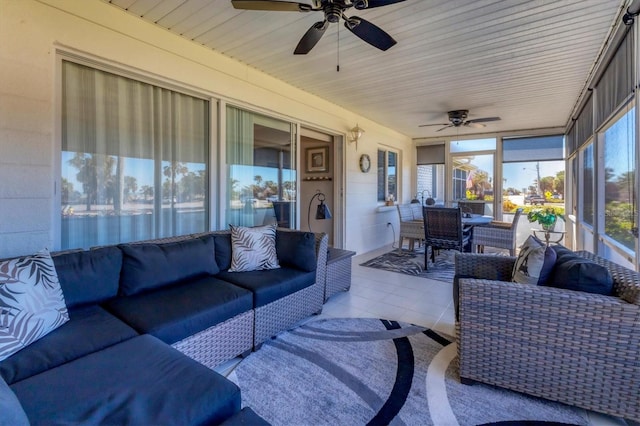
column 253, row 249
column 31, row 301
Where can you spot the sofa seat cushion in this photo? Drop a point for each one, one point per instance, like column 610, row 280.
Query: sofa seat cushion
column 89, row 329
column 174, row 313
column 141, row 381
column 270, row 285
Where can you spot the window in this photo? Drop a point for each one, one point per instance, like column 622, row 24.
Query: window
column 261, row 179
column 431, row 172
column 588, row 179
column 134, row 159
column 619, row 185
column 387, row 175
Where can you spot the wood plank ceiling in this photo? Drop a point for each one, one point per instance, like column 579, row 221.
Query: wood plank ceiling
column 525, row 61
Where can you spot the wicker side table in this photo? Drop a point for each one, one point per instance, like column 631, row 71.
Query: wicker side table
column 338, row 271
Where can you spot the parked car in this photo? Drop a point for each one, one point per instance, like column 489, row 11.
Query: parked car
column 534, row 199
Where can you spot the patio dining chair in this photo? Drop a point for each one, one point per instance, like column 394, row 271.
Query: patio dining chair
column 497, row 234
column 443, row 230
column 471, row 207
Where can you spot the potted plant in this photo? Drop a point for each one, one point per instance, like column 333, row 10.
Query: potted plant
column 546, row 217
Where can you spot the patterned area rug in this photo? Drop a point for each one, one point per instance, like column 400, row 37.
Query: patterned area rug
column 412, row 263
column 359, row 371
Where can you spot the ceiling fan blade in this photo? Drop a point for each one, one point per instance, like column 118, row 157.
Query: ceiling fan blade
column 271, row 5
column 369, row 32
column 311, row 38
column 428, row 125
column 368, row 4
column 445, row 127
column 484, row 120
column 474, row 125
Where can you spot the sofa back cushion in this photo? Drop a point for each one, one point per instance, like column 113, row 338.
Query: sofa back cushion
column 223, row 250
column 296, row 249
column 151, row 265
column 89, row 276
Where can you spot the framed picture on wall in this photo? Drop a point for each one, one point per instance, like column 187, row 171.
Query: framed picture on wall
column 317, row 159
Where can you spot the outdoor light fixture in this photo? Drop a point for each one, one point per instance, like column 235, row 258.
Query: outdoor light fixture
column 322, row 211
column 355, row 134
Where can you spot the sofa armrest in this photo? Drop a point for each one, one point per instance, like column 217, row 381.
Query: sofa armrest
column 484, row 266
column 322, row 247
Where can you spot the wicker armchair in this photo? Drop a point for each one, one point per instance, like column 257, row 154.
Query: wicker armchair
column 568, row 346
column 411, row 227
column 443, row 230
column 497, row 234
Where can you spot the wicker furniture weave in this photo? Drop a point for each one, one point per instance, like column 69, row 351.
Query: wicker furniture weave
column 578, row 348
column 283, row 314
column 338, row 271
column 411, row 225
column 442, row 230
column 497, row 234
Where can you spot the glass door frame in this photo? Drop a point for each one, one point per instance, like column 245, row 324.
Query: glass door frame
column 497, row 174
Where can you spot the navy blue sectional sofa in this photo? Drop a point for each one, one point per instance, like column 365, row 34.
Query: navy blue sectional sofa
column 148, row 323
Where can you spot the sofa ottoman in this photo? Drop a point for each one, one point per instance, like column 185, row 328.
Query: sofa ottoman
column 141, row 381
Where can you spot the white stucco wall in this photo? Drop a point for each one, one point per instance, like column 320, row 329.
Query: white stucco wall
column 31, row 32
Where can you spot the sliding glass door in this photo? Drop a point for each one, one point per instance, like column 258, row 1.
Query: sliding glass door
column 261, row 172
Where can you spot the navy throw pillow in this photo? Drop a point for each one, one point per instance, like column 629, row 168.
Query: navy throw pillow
column 89, row 276
column 296, row 250
column 579, row 274
column 152, row 265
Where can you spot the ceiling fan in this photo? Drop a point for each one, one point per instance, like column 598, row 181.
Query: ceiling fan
column 333, row 10
column 458, row 118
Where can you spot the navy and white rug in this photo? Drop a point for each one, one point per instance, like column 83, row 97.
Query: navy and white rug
column 360, row 371
column 412, row 263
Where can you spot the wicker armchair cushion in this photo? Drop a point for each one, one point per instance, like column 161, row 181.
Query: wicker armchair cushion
column 572, row 272
column 534, row 263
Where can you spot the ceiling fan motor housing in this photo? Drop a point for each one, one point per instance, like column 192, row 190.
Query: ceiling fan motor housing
column 332, row 12
column 458, row 117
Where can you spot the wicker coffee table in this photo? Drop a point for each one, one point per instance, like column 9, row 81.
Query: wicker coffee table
column 338, row 271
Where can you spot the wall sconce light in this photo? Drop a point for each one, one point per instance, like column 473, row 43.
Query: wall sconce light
column 322, row 211
column 355, row 134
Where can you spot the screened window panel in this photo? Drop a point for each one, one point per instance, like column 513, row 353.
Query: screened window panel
column 619, row 186
column 584, row 123
column 588, row 180
column 134, row 159
column 430, row 154
column 533, row 149
column 616, row 84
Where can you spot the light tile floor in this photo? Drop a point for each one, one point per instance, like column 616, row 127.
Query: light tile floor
column 376, row 293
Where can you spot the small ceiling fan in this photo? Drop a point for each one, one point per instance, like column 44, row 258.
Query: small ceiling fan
column 458, row 118
column 333, row 11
